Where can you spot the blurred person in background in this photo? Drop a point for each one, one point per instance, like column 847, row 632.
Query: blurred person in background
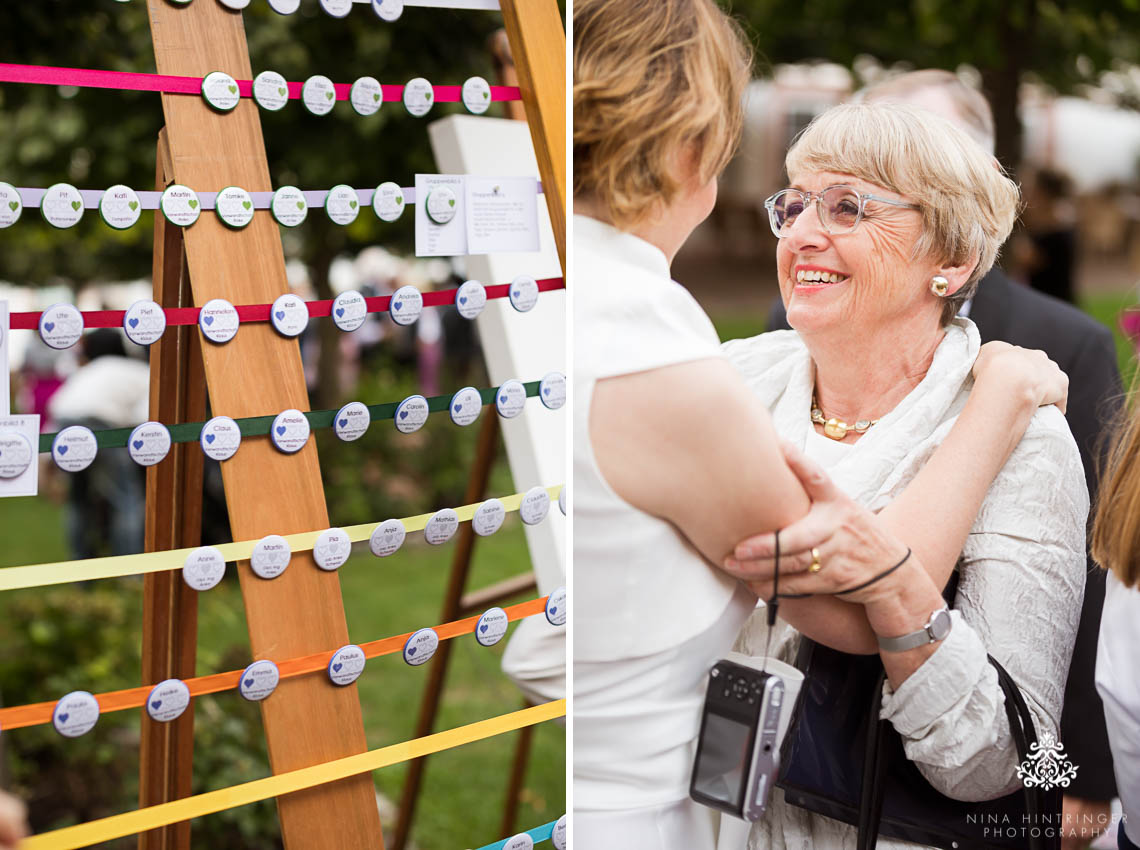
column 1084, row 349
column 38, row 380
column 13, row 822
column 105, row 511
column 1048, row 247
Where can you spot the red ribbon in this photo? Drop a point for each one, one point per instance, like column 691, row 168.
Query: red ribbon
column 260, row 312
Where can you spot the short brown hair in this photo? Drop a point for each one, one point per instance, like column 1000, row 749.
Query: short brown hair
column 1115, row 543
column 650, row 77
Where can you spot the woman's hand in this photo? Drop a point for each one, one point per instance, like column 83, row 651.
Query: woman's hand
column 1022, row 372
column 854, row 546
column 13, row 822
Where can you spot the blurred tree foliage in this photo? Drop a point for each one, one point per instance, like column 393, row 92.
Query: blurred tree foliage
column 1062, row 43
column 95, row 138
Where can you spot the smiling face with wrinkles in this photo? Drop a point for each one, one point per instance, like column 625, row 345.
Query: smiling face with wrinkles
column 865, row 279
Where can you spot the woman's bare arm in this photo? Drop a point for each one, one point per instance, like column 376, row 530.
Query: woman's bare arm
column 691, row 444
column 935, row 512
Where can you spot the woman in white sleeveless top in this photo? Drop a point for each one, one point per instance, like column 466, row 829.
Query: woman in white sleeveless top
column 675, row 461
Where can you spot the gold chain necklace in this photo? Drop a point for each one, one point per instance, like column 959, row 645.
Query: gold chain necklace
column 834, row 428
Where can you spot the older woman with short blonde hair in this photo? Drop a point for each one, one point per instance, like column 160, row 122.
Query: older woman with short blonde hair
column 891, row 218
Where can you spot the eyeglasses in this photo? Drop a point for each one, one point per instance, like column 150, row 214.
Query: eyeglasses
column 840, row 208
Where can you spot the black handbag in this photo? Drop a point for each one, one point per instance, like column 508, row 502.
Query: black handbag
column 841, row 761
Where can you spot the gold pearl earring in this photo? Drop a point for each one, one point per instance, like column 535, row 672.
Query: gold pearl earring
column 939, row 285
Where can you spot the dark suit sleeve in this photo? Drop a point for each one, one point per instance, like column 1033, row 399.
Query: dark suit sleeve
column 778, row 317
column 1095, row 396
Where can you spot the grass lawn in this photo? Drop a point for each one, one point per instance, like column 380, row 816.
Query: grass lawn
column 464, row 789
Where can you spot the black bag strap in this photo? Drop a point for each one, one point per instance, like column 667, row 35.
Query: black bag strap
column 1024, row 734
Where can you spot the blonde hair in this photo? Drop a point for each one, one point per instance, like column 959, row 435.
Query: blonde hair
column 968, row 203
column 651, row 79
column 1115, row 541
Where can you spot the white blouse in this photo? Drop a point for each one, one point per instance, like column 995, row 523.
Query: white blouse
column 651, row 615
column 1021, row 577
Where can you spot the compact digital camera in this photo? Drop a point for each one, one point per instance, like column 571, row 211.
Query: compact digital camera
column 738, row 753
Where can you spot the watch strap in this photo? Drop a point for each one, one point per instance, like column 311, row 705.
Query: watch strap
column 936, row 628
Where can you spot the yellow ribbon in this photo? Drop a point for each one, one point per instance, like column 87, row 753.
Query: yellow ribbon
column 164, row 814
column 62, row 572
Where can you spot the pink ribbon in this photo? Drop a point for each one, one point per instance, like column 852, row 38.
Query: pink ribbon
column 125, row 81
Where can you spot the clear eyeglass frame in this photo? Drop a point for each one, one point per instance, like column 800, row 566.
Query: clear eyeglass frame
column 823, row 210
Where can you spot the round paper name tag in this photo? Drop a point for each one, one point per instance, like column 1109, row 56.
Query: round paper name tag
column 491, row 627
column 352, row 421
column 149, row 443
column 470, row 299
column 552, row 390
column 562, row 499
column 332, row 549
column 11, row 205
column 477, row 95
column 62, row 206
column 220, row 438
column 366, row 96
column 411, row 414
column 558, row 834
column 387, row 538
column 270, row 556
column 218, row 320
column 61, row 325
column 337, row 8
column 270, row 89
column 180, row 205
column 556, row 607
column 388, row 10
column 168, row 700
column 465, row 406
column 441, row 203
column 236, row 5
column 441, row 527
column 421, row 646
column 290, row 431
column 74, row 448
column 318, row 94
column 259, row 680
column 284, row 7
column 349, row 310
column 144, row 323
column 522, row 841
column 510, row 399
column 346, row 665
column 75, row 714
column 406, row 305
column 120, row 207
column 534, row 506
column 418, row 96
column 388, row 201
column 488, row 517
column 523, row 293
column 234, row 207
column 204, row 568
column 290, row 315
column 289, row 206
column 342, row 205
column 220, row 90
column 15, row 454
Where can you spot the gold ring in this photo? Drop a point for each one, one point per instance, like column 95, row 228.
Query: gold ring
column 815, row 566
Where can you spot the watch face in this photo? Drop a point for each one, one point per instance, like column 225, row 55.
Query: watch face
column 940, row 624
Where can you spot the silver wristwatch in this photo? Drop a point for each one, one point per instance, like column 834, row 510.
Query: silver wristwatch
column 936, row 628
